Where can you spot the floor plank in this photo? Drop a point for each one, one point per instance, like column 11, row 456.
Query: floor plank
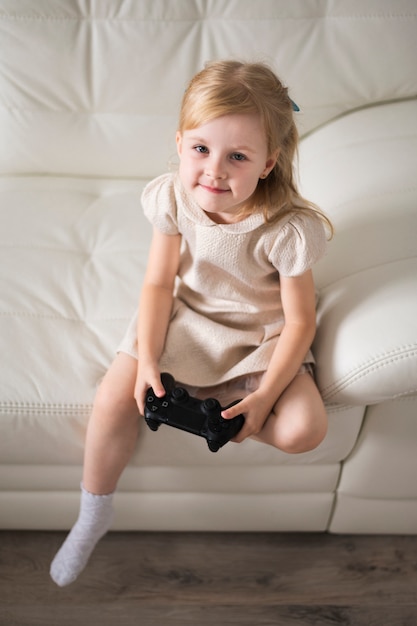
column 201, row 579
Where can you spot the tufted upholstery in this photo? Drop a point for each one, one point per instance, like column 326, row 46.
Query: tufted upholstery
column 89, row 96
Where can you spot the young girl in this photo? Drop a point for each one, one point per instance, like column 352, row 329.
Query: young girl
column 228, row 300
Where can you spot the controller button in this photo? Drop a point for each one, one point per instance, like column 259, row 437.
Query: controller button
column 153, row 408
column 165, row 404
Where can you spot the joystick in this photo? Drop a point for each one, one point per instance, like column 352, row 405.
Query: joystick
column 199, row 417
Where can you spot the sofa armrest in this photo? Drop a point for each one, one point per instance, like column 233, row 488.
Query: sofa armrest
column 366, row 341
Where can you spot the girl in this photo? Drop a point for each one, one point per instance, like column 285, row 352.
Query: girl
column 228, row 300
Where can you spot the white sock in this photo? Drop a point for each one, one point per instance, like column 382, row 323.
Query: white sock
column 94, row 520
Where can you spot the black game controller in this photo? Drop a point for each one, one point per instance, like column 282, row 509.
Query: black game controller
column 199, row 417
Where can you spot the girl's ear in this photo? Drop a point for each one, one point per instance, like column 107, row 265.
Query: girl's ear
column 270, row 164
column 178, row 139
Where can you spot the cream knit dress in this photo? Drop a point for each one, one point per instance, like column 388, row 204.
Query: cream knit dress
column 227, row 311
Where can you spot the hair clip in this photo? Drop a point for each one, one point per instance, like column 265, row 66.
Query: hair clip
column 295, row 107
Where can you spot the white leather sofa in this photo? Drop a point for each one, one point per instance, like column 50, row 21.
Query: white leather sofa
column 89, row 96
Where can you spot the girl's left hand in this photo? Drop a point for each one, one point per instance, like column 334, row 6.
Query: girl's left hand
column 256, row 409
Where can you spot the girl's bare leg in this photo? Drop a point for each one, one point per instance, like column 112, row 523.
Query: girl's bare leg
column 111, row 439
column 298, row 421
column 113, row 427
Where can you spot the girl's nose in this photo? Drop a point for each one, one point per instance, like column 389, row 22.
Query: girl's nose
column 215, row 169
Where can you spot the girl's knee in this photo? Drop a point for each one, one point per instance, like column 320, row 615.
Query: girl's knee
column 103, row 400
column 116, row 390
column 110, row 405
column 301, row 441
column 300, row 435
column 299, row 418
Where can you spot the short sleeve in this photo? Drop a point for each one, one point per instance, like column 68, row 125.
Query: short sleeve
column 159, row 204
column 298, row 244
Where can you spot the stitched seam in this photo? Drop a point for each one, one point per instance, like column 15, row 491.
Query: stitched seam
column 371, row 366
column 374, row 364
column 44, row 409
column 333, row 408
column 198, row 19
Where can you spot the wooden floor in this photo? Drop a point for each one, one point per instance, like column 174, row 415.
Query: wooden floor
column 203, row 579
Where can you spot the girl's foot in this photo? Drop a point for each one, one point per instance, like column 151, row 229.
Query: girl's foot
column 95, row 519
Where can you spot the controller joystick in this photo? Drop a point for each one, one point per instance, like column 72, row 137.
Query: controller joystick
column 210, row 405
column 199, row 417
column 180, row 395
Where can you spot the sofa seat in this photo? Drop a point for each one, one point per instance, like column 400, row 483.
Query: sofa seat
column 74, row 287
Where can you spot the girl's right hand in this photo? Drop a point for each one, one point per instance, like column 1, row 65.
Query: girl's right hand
column 147, row 377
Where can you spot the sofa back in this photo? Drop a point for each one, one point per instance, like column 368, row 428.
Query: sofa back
column 92, row 88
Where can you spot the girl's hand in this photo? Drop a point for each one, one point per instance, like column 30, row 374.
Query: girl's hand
column 147, row 377
column 298, row 302
column 256, row 409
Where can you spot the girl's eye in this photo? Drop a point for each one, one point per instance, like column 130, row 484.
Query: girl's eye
column 201, row 149
column 237, row 156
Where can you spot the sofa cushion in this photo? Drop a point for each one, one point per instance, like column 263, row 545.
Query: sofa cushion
column 366, row 343
column 82, row 95
column 72, row 255
column 360, row 169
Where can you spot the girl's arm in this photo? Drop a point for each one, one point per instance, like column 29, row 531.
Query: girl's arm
column 155, row 310
column 299, row 306
column 298, row 301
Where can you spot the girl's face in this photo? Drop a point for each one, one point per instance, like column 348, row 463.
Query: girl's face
column 221, row 163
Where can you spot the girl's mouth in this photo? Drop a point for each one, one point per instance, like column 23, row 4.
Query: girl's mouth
column 214, row 190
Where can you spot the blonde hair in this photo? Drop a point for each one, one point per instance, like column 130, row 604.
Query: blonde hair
column 230, row 87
